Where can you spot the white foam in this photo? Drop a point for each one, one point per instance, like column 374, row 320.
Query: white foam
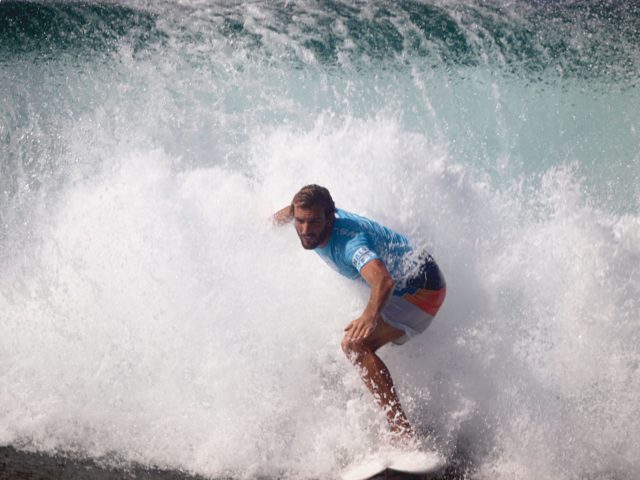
column 162, row 317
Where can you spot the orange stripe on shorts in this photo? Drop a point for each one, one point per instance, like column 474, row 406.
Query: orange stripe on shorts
column 427, row 300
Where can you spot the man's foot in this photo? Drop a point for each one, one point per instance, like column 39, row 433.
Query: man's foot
column 398, row 422
column 403, row 438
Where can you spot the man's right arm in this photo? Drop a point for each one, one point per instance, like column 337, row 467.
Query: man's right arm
column 283, row 216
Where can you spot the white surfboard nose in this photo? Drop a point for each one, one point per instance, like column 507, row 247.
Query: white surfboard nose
column 364, row 470
column 416, row 462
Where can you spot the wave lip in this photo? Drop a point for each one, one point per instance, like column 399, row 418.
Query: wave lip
column 50, row 29
column 595, row 40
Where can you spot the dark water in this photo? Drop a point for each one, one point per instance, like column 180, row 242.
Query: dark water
column 20, row 465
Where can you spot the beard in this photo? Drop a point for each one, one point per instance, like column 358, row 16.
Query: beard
column 314, row 241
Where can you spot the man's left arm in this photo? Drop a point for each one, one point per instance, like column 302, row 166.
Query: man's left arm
column 377, row 276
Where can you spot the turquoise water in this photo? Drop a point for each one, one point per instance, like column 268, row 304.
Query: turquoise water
column 149, row 312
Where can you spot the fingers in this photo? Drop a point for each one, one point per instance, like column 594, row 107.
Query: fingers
column 354, row 333
column 359, row 330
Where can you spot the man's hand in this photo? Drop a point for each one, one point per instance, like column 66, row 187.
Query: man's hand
column 282, row 216
column 361, row 328
column 381, row 283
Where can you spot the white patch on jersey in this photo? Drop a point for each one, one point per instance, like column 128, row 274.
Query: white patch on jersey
column 362, row 256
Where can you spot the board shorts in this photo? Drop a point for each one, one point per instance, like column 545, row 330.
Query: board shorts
column 413, row 307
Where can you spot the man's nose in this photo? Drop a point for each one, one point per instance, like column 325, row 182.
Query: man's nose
column 304, row 229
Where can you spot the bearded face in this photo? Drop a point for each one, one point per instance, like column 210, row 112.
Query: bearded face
column 312, row 226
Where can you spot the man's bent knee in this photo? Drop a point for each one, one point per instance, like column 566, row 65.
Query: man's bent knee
column 354, row 349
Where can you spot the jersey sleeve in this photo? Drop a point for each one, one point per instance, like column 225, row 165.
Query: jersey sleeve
column 359, row 251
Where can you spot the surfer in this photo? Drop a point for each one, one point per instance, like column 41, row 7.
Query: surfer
column 407, row 287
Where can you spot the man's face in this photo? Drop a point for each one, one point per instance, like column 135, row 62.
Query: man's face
column 312, row 226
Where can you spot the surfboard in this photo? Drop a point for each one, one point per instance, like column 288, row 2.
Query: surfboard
column 416, row 462
column 409, row 462
column 364, row 469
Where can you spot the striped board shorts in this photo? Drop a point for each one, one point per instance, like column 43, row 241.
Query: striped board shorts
column 412, row 308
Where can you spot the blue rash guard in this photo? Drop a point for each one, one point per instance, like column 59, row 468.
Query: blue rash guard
column 419, row 288
column 356, row 240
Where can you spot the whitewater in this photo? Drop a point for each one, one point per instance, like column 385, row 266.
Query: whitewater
column 150, row 313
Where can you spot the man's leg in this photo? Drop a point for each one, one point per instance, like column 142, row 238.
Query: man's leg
column 376, row 375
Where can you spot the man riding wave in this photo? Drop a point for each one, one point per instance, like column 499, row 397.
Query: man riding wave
column 407, row 287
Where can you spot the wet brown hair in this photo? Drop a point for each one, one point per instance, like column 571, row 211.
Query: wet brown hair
column 314, row 195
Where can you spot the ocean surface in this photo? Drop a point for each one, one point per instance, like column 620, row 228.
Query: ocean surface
column 150, row 314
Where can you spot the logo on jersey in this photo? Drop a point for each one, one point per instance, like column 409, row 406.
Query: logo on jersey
column 362, row 256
